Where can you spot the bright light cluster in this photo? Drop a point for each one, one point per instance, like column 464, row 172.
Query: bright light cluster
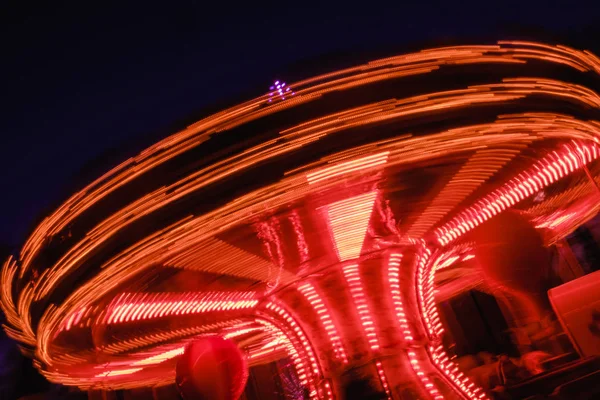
column 349, row 220
column 279, row 91
column 550, row 169
column 129, row 307
column 324, row 314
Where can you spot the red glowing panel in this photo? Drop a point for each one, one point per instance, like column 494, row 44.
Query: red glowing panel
column 324, row 314
column 550, row 169
column 349, row 220
column 136, row 307
column 348, row 167
column 352, row 275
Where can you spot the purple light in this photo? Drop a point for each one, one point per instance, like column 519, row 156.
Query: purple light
column 278, row 91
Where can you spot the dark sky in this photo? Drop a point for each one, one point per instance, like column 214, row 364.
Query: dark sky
column 82, row 83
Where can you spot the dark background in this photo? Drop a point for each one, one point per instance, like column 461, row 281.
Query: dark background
column 85, row 85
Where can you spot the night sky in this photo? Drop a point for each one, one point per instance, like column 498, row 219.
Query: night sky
column 85, row 87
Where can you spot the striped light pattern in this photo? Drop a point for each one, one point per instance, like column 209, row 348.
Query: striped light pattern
column 354, row 281
column 348, row 167
column 554, row 166
column 429, row 386
column 129, row 307
column 394, row 281
column 478, row 169
column 349, row 220
column 324, row 314
column 283, row 342
column 313, row 372
column 383, row 380
column 433, row 325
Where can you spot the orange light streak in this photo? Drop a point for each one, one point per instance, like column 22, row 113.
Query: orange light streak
column 348, row 167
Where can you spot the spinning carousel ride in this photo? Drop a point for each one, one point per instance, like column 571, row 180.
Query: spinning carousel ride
column 308, row 224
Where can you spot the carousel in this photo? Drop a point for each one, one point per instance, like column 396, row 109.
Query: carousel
column 315, row 242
